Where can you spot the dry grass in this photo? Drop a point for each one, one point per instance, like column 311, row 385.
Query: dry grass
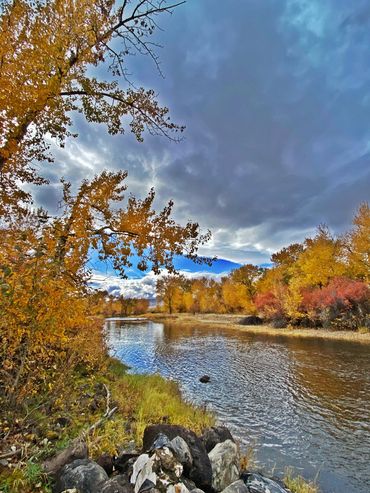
column 297, row 484
column 217, row 321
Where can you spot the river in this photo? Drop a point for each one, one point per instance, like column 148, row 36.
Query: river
column 297, row 402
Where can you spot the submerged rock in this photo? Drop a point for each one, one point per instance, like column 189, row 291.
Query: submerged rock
column 224, row 459
column 83, row 474
column 256, row 483
column 205, row 379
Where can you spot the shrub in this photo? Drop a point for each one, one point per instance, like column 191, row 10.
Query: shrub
column 342, row 304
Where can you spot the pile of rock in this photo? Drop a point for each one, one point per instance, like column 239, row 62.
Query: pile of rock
column 174, row 460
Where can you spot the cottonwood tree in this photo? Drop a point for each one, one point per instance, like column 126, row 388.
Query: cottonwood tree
column 44, row 268
column 47, row 52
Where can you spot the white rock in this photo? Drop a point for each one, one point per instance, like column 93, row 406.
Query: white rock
column 224, row 459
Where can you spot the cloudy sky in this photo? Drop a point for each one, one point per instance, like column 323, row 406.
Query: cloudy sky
column 275, row 95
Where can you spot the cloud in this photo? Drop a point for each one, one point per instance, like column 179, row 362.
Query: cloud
column 144, row 287
column 276, row 99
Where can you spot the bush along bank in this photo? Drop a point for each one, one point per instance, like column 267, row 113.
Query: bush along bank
column 173, row 459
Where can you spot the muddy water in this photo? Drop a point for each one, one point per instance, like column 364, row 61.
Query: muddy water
column 298, row 402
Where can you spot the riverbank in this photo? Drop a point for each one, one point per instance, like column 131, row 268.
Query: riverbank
column 106, row 408
column 103, row 414
column 233, row 322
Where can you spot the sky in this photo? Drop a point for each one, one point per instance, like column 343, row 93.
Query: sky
column 275, row 96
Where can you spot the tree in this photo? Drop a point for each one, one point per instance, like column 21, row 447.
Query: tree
column 47, row 51
column 44, row 301
column 247, row 275
column 169, row 291
column 357, row 244
column 321, row 260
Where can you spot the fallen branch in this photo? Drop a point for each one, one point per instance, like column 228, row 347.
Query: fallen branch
column 11, row 454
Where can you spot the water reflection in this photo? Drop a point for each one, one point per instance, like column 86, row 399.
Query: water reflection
column 301, row 402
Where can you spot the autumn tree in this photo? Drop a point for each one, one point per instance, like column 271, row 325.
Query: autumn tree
column 357, row 244
column 321, row 260
column 47, row 53
column 170, row 290
column 43, row 267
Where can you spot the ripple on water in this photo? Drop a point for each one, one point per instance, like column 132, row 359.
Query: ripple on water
column 299, row 402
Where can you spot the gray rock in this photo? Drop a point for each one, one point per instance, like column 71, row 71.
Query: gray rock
column 160, row 442
column 224, row 459
column 119, row 484
column 200, row 472
column 182, row 452
column 217, row 434
column 196, row 490
column 236, row 487
column 256, row 483
column 83, row 474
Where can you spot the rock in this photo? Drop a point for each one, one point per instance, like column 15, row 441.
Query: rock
column 55, row 464
column 182, row 452
column 82, row 474
column 196, row 490
column 201, row 471
column 236, row 487
column 256, row 483
column 205, row 379
column 217, row 434
column 143, row 470
column 106, row 462
column 160, row 442
column 225, row 465
column 124, row 461
column 119, row 484
column 73, row 490
column 188, row 483
column 157, row 471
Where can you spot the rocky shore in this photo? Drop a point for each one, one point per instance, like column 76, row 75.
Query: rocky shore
column 173, row 459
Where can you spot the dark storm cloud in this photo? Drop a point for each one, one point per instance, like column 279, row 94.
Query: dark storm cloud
column 276, row 99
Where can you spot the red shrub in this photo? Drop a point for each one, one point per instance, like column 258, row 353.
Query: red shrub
column 269, row 305
column 343, row 300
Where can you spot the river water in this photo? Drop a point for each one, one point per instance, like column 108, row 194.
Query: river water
column 298, row 402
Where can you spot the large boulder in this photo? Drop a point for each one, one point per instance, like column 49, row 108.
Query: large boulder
column 214, row 435
column 256, row 483
column 236, row 487
column 200, row 471
column 225, row 460
column 83, row 474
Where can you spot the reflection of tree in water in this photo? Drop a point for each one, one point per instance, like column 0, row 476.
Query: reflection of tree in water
column 335, row 372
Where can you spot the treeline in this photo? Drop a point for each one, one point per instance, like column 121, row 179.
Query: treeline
column 108, row 305
column 322, row 282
